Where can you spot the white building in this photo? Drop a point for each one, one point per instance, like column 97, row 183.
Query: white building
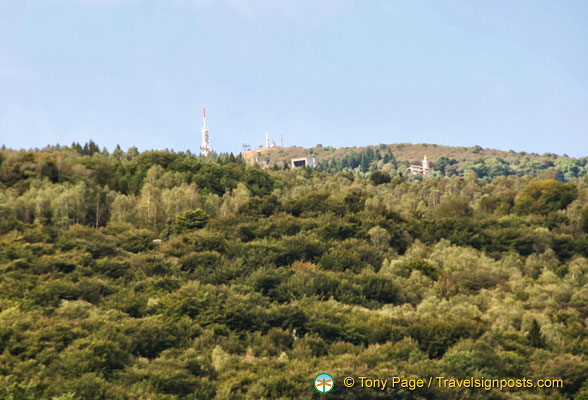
column 302, row 162
column 422, row 169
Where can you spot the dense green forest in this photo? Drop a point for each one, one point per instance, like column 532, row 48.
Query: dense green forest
column 163, row 275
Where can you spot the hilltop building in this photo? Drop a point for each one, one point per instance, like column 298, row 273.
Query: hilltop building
column 205, row 147
column 271, row 153
column 302, row 162
column 262, row 154
column 422, row 169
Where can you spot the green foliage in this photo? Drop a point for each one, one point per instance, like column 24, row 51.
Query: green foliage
column 435, row 337
column 162, row 275
column 191, row 219
column 258, row 182
column 499, row 203
column 355, row 200
column 584, row 220
column 313, row 203
column 264, row 206
column 457, row 207
column 535, row 337
column 380, row 177
column 543, row 197
column 137, row 240
column 340, row 259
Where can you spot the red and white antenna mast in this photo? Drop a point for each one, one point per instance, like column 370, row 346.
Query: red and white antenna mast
column 205, row 147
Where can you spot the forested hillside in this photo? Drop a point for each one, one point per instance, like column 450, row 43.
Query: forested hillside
column 161, row 275
column 444, row 161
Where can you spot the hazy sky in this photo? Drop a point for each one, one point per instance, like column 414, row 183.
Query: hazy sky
column 499, row 74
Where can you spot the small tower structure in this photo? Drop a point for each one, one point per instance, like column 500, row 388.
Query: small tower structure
column 425, row 166
column 422, row 169
column 205, row 147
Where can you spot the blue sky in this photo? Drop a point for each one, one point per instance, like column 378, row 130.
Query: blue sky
column 499, row 74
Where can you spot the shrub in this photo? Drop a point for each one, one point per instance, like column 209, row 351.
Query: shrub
column 191, row 220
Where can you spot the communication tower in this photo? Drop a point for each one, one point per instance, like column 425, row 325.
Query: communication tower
column 205, row 147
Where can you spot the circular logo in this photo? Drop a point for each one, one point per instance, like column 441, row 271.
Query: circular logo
column 324, row 383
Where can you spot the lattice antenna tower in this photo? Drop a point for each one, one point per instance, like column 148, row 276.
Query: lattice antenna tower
column 205, row 147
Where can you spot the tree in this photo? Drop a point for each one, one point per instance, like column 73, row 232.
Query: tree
column 545, row 196
column 192, row 219
column 69, row 205
column 380, row 177
column 90, row 148
column 260, row 206
column 455, row 207
column 118, row 153
column 259, row 182
column 442, row 163
column 379, row 237
column 150, row 207
column 535, row 337
column 364, row 163
column 355, row 200
column 180, row 198
column 567, row 168
column 132, row 152
column 584, row 219
column 497, row 167
column 123, row 209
